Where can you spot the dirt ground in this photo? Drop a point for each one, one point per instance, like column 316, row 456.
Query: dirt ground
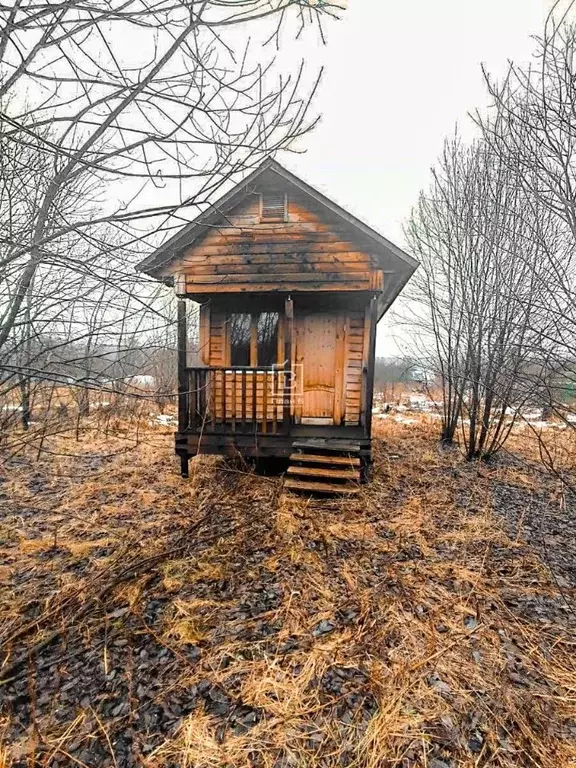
column 219, row 621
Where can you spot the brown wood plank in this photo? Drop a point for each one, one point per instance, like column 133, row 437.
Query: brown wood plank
column 243, row 374
column 327, row 444
column 183, row 377
column 311, row 458
column 279, row 267
column 340, row 369
column 288, row 332
column 266, row 251
column 223, row 395
column 264, row 403
column 281, row 286
column 339, row 474
column 233, row 399
column 274, row 402
column 314, row 487
column 298, row 277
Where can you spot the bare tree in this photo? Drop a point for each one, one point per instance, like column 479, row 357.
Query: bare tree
column 532, row 128
column 480, row 290
column 115, row 145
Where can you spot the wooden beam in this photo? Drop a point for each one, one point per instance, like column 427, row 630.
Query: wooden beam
column 287, row 394
column 290, row 277
column 254, row 339
column 183, row 397
column 205, row 333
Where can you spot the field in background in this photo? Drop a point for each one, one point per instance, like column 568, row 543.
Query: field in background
column 147, row 620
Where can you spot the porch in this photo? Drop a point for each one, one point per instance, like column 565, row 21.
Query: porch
column 250, row 412
column 236, row 401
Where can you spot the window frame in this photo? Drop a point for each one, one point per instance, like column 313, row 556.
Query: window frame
column 254, row 316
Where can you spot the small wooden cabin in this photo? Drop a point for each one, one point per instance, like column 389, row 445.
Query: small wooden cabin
column 291, row 287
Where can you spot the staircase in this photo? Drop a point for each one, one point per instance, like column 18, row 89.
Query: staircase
column 324, row 466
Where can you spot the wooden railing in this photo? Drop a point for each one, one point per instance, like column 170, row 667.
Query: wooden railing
column 236, row 400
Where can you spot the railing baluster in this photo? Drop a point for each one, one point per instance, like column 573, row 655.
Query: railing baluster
column 254, row 398
column 224, row 396
column 211, row 389
column 274, row 401
column 286, row 396
column 243, row 374
column 233, row 396
column 212, row 399
column 264, row 401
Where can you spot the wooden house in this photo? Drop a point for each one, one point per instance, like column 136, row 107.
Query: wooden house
column 291, row 287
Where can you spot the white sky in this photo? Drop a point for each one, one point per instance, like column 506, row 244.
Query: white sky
column 399, row 75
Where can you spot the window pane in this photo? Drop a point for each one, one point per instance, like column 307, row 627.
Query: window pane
column 239, row 339
column 267, row 338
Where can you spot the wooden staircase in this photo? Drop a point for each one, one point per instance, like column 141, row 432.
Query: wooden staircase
column 324, row 466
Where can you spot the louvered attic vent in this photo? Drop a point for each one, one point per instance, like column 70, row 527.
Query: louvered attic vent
column 273, row 206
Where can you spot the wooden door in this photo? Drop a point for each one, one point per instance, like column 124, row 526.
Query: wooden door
column 317, row 358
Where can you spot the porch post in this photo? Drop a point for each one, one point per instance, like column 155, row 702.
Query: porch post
column 183, row 409
column 287, row 394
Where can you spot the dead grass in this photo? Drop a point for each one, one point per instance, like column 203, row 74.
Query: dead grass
column 394, row 629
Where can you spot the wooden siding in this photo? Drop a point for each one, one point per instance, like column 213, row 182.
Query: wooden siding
column 348, row 359
column 305, row 253
column 356, row 357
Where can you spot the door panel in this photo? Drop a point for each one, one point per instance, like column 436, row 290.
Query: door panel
column 317, row 354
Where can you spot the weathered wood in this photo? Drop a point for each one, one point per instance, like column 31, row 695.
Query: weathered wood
column 243, row 399
column 339, row 370
column 183, row 407
column 196, row 281
column 310, row 458
column 293, row 484
column 288, row 327
column 267, row 252
column 327, row 444
column 204, row 333
column 317, row 353
column 264, row 407
column 247, row 266
column 338, row 474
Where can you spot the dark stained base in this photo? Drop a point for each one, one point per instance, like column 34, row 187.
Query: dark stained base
column 190, row 444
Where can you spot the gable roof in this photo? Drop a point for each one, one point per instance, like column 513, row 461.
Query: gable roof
column 397, row 265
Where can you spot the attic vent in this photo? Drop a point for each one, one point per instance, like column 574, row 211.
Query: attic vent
column 273, row 206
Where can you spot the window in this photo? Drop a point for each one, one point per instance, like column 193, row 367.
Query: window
column 273, row 206
column 254, row 339
column 267, row 338
column 240, row 335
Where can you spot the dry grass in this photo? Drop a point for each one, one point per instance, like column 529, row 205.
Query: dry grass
column 394, row 629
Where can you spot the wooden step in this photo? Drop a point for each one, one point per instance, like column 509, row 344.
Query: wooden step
column 314, row 487
column 326, row 444
column 338, row 474
column 310, row 458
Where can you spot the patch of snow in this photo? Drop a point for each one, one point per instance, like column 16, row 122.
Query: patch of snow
column 166, row 419
column 142, row 381
column 532, row 416
column 404, row 420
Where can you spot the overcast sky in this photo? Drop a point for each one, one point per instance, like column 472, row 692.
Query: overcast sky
column 399, row 75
